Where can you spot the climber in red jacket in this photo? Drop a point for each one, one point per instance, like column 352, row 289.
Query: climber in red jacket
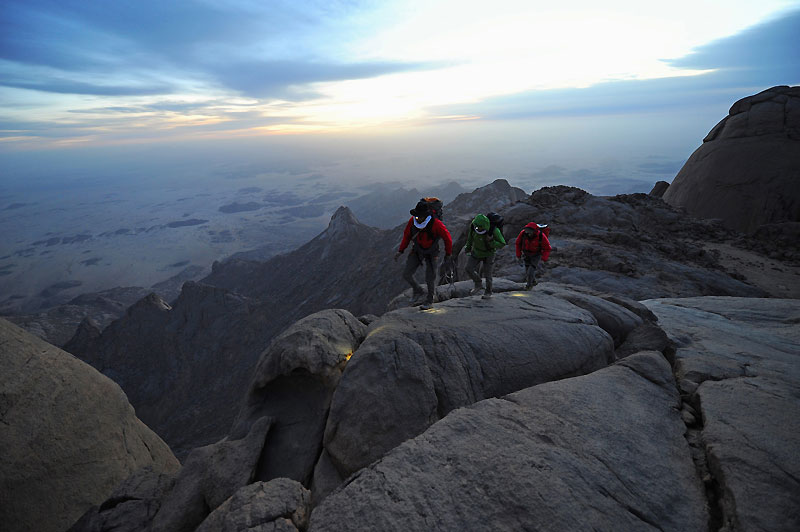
column 533, row 244
column 425, row 229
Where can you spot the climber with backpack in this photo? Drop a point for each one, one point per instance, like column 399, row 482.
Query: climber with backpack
column 485, row 237
column 425, row 228
column 532, row 244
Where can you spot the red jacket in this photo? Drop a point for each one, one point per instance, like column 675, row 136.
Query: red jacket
column 426, row 238
column 531, row 245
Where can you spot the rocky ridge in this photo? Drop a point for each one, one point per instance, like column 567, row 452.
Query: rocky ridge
column 440, row 420
column 632, row 245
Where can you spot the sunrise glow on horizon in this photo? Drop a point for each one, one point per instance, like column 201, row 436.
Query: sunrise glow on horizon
column 82, row 73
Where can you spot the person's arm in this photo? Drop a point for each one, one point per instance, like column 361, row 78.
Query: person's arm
column 468, row 246
column 519, row 243
column 441, row 231
column 545, row 247
column 406, row 236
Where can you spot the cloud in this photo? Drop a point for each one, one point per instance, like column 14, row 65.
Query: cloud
column 757, row 58
column 277, row 78
column 257, row 49
column 772, row 45
column 77, row 87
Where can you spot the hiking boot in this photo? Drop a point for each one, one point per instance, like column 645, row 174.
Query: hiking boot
column 486, row 295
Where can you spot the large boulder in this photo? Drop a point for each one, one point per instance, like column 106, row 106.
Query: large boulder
column 747, row 171
column 281, row 505
column 209, row 477
column 414, row 367
column 600, row 452
column 737, row 362
column 293, row 383
column 68, row 435
column 132, row 505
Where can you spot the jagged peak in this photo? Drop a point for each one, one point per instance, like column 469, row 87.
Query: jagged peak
column 151, row 301
column 342, row 222
column 493, row 196
column 499, row 183
column 343, row 216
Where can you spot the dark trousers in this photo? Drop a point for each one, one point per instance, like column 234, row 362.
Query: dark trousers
column 531, row 264
column 414, row 261
column 472, row 270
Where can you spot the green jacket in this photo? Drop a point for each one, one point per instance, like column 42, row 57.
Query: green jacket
column 485, row 245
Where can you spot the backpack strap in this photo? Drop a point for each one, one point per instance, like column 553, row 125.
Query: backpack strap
column 427, row 229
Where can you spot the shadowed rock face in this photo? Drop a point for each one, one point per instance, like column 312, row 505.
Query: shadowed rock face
column 183, row 367
column 68, row 435
column 747, row 171
column 293, row 383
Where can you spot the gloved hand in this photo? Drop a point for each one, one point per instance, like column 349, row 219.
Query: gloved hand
column 448, row 261
column 521, row 261
column 397, row 255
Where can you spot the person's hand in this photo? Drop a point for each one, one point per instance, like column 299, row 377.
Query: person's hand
column 397, row 255
column 448, row 261
column 520, row 261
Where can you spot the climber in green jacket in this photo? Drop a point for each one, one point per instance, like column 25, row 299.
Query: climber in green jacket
column 483, row 241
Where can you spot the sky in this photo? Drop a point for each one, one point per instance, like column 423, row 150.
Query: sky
column 381, row 89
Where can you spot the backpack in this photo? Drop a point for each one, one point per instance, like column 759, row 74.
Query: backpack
column 436, row 211
column 495, row 221
column 546, row 231
column 434, row 207
column 542, row 231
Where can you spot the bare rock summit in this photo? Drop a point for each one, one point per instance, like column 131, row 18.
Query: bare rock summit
column 747, row 171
